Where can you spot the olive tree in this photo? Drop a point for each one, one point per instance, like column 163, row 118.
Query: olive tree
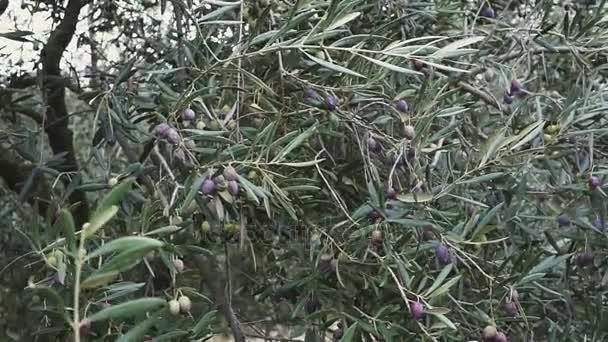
column 346, row 170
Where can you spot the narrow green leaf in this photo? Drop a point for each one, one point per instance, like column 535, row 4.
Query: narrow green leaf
column 98, row 280
column 114, row 196
column 334, row 67
column 138, row 332
column 392, row 67
column 415, row 198
column 128, row 242
column 202, row 326
column 99, row 220
column 126, row 72
column 455, row 46
column 66, row 222
column 343, row 20
column 445, row 287
column 128, row 309
column 349, row 333
column 299, row 140
column 440, row 278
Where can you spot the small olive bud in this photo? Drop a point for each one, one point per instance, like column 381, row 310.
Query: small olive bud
column 511, row 308
column 373, row 144
column 179, row 265
column 205, row 227
column 230, row 173
column 391, row 193
column 231, row 125
column 200, row 125
column 112, row 182
column 409, row 132
column 489, row 333
column 184, row 304
column 377, row 237
column 174, row 307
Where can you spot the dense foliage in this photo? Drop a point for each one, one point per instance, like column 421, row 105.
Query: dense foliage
column 348, row 170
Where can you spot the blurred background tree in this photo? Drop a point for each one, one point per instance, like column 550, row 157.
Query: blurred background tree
column 343, row 170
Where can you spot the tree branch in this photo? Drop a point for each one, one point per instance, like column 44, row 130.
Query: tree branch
column 56, row 116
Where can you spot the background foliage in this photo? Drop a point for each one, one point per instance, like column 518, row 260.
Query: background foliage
column 401, row 171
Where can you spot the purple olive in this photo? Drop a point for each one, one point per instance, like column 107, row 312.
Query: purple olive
column 600, row 224
column 313, row 98
column 161, row 129
column 330, row 102
column 172, row 136
column 188, row 115
column 418, row 65
column 230, row 173
column 373, row 215
column 372, row 144
column 402, row 106
column 488, row 12
column 584, row 259
column 442, row 252
column 511, row 309
column 563, row 220
column 391, row 193
column 500, row 337
column 515, row 87
column 416, row 310
column 507, row 99
column 208, row 187
column 233, row 187
column 594, row 182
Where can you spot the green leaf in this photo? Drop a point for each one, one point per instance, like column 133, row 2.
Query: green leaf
column 445, row 321
column 296, row 142
column 349, row 333
column 129, row 242
column 453, row 47
column 415, row 198
column 138, row 332
column 115, row 196
column 528, row 133
column 334, row 67
column 99, row 220
column 124, row 260
column 98, row 280
column 66, row 222
column 128, row 309
column 440, row 278
column 126, row 72
column 392, row 67
column 482, row 178
column 445, row 287
column 202, row 326
column 17, row 35
column 343, row 20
